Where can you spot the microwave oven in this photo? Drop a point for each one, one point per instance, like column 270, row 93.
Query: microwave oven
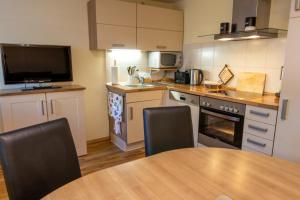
column 165, row 59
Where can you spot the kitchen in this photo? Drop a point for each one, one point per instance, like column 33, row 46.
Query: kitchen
column 149, row 99
column 232, row 86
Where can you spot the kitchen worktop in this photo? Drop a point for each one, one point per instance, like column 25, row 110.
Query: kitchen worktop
column 64, row 88
column 265, row 101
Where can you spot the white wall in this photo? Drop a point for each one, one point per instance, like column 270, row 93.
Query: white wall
column 262, row 56
column 61, row 22
column 203, row 17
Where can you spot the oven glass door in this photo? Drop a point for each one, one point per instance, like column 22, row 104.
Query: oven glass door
column 225, row 127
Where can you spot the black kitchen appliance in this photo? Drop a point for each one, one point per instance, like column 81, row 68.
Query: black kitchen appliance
column 182, row 77
column 221, row 123
column 24, row 63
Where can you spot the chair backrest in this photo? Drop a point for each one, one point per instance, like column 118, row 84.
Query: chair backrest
column 167, row 128
column 39, row 159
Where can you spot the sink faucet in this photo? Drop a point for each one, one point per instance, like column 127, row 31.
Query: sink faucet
column 142, row 80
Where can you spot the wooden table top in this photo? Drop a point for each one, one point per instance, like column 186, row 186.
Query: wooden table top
column 202, row 173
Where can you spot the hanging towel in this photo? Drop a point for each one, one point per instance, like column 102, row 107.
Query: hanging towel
column 115, row 107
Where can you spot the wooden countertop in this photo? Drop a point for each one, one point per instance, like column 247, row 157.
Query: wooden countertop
column 265, row 101
column 198, row 173
column 13, row 92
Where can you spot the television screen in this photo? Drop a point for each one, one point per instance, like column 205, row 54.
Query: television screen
column 36, row 63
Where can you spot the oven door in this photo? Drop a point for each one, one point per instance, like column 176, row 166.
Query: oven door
column 225, row 127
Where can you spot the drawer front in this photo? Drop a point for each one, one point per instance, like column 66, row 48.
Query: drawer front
column 259, row 129
column 144, row 96
column 263, row 115
column 258, row 144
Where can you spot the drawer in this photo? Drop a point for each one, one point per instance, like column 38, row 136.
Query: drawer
column 258, row 144
column 144, row 96
column 259, row 129
column 263, row 115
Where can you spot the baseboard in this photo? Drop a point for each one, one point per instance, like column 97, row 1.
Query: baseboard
column 98, row 140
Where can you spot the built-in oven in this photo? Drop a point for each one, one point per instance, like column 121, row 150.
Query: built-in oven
column 221, row 123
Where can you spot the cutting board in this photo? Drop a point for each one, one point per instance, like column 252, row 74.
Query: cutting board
column 251, row 82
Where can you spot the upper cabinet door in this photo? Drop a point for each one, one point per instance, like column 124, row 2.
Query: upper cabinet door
column 159, row 40
column 116, row 12
column 295, row 8
column 116, row 37
column 159, row 18
column 23, row 110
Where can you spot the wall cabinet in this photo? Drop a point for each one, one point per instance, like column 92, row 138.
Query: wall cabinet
column 159, row 40
column 112, row 24
column 159, row 29
column 115, row 24
column 159, row 18
column 25, row 110
column 295, row 8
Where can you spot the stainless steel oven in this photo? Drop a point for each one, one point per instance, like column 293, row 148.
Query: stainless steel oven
column 221, row 123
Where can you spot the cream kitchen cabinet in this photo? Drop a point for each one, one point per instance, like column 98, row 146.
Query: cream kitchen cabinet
column 69, row 105
column 159, row 18
column 132, row 136
column 19, row 111
column 295, row 8
column 23, row 110
column 159, row 29
column 159, row 40
column 135, row 124
column 112, row 24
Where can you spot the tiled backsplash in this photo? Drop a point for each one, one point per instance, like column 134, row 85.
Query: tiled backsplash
column 264, row 56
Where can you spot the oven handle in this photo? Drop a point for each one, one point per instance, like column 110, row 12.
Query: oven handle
column 234, row 119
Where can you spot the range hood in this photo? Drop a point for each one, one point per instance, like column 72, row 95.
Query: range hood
column 271, row 19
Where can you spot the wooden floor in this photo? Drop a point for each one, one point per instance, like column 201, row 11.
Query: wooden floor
column 101, row 155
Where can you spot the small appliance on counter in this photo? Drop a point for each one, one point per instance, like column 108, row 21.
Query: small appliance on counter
column 165, row 59
column 250, row 24
column 196, row 76
column 182, row 77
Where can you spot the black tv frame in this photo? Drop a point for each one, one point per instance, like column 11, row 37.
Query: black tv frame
column 4, row 68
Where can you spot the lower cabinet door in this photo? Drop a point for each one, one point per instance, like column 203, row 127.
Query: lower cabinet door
column 23, row 110
column 135, row 124
column 69, row 105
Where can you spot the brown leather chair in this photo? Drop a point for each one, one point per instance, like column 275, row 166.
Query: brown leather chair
column 38, row 159
column 167, row 128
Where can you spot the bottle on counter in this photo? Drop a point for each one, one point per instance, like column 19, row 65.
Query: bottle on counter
column 114, row 73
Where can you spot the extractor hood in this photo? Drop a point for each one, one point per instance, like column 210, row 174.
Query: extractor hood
column 271, row 19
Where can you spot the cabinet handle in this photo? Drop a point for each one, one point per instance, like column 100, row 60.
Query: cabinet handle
column 161, row 47
column 51, row 105
column 42, row 104
column 256, row 143
column 258, row 128
column 261, row 114
column 118, row 45
column 284, row 109
column 131, row 113
column 297, row 5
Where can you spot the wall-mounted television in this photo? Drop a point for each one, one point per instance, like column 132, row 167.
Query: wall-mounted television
column 36, row 63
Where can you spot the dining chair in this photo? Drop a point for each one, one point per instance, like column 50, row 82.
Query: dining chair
column 39, row 159
column 167, row 128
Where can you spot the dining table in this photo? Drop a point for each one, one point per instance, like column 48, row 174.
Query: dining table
column 192, row 173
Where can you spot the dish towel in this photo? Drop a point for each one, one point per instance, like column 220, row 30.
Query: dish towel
column 115, row 107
